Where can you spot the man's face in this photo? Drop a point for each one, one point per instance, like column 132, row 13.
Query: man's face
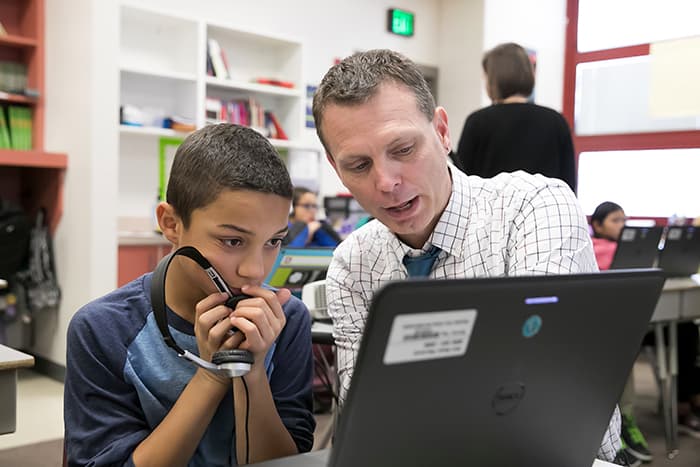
column 240, row 233
column 392, row 159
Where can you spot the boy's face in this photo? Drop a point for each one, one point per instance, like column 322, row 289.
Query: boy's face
column 240, row 233
column 392, row 159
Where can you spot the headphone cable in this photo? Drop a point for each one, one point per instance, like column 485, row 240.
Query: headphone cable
column 247, row 413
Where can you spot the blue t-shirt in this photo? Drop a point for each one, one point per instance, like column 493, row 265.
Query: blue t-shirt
column 122, row 380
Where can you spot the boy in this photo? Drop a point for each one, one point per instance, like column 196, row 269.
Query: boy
column 129, row 399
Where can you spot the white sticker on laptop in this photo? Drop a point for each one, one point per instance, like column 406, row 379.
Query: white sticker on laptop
column 429, row 336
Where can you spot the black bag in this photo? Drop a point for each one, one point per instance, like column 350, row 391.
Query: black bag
column 39, row 279
column 14, row 239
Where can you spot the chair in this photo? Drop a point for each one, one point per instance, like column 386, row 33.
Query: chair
column 313, row 295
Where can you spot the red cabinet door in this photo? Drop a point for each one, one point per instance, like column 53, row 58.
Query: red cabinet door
column 135, row 260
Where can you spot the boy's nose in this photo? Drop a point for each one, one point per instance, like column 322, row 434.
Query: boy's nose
column 252, row 267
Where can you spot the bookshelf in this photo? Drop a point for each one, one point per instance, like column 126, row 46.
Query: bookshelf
column 163, row 71
column 32, row 177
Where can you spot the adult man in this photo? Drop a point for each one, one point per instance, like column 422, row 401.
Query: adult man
column 388, row 143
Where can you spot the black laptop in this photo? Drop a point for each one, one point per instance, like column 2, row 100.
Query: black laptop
column 637, row 247
column 491, row 372
column 681, row 253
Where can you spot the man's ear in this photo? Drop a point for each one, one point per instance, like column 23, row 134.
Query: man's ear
column 442, row 128
column 169, row 222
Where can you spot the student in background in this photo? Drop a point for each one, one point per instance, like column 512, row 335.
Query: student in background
column 607, row 222
column 514, row 134
column 129, row 398
column 388, row 143
column 304, row 229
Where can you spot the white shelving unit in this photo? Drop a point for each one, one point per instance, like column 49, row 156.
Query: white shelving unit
column 163, row 72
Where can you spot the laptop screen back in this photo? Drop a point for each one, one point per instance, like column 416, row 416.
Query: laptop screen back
column 637, row 247
column 681, row 253
column 491, row 372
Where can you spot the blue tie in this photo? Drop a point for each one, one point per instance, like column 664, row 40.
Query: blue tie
column 420, row 266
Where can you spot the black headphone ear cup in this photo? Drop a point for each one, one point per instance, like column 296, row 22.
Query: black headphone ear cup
column 232, row 356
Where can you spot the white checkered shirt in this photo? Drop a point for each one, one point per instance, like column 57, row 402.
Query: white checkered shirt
column 509, row 225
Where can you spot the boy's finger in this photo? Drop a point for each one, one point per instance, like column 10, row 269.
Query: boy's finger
column 210, row 302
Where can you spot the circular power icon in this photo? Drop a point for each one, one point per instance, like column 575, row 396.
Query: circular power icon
column 532, row 326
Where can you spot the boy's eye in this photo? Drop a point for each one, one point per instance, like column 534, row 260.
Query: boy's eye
column 275, row 242
column 232, row 241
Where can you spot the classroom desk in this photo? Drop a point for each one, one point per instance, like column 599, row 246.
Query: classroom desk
column 679, row 301
column 10, row 361
column 320, row 459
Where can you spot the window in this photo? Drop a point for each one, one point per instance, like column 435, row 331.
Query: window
column 647, row 163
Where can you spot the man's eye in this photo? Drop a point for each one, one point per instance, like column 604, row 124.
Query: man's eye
column 406, row 150
column 360, row 167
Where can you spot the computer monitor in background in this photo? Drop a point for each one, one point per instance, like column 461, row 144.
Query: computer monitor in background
column 296, row 267
column 681, row 253
column 637, row 247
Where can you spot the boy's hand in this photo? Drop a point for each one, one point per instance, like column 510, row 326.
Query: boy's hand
column 260, row 319
column 211, row 326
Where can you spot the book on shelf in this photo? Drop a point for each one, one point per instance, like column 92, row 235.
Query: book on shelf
column 13, row 77
column 218, row 62
column 274, row 82
column 246, row 112
column 276, row 130
column 178, row 123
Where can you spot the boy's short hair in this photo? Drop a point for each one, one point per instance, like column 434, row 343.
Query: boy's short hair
column 224, row 157
column 356, row 79
column 509, row 71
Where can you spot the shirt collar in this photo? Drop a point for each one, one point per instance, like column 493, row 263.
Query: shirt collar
column 450, row 233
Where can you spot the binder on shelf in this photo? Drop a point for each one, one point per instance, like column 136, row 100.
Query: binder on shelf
column 20, row 127
column 5, row 142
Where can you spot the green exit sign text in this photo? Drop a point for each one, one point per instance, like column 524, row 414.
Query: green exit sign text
column 400, row 22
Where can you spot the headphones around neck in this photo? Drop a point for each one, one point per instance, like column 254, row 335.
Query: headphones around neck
column 226, row 363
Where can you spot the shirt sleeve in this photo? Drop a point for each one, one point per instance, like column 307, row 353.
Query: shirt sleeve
column 102, row 415
column 549, row 234
column 347, row 307
column 292, row 376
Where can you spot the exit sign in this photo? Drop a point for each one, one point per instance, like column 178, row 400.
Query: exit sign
column 400, row 22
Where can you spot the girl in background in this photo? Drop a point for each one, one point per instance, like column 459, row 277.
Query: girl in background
column 304, row 229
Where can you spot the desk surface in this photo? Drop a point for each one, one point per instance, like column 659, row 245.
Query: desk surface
column 11, row 359
column 319, row 459
column 682, row 283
